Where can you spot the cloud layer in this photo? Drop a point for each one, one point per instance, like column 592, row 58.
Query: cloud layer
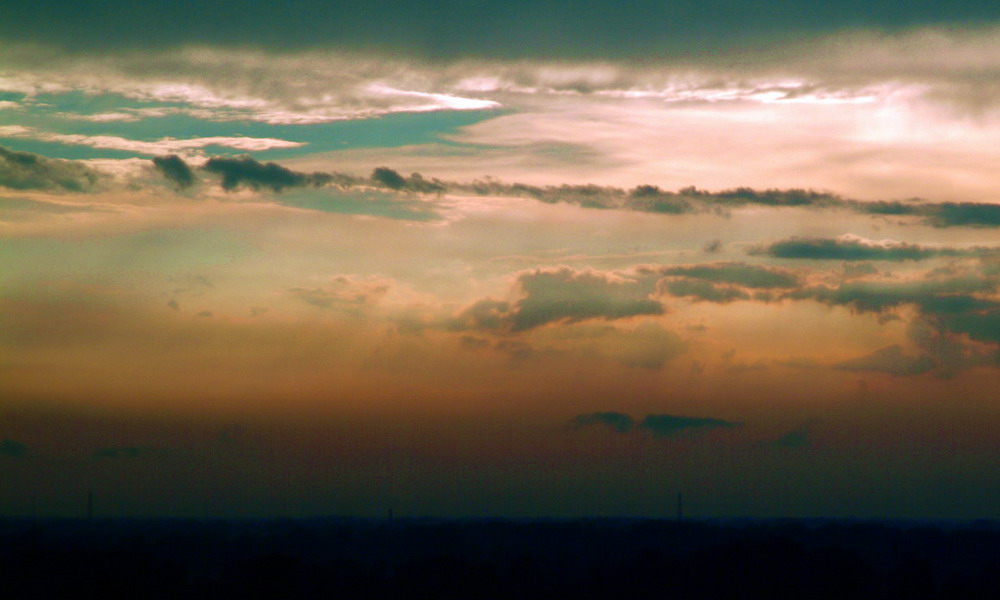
column 658, row 425
column 27, row 171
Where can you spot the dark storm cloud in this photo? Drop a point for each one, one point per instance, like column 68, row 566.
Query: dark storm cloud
column 981, row 324
column 450, row 28
column 245, row 171
column 647, row 198
column 25, row 170
column 936, row 214
column 954, row 295
column 890, row 360
column 672, row 425
column 484, row 314
column 561, row 295
column 703, row 290
column 652, row 199
column 844, row 249
column 746, row 275
column 953, row 307
column 386, row 177
column 794, row 439
column 886, row 207
column 13, row 449
column 968, row 214
column 855, row 249
column 175, row 169
column 28, row 171
column 620, row 422
column 569, row 295
column 659, row 425
column 770, row 197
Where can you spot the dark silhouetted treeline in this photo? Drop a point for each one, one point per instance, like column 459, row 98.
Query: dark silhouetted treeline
column 487, row 559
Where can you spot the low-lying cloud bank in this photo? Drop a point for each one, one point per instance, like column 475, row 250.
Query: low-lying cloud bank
column 953, row 313
column 854, row 248
column 245, row 171
column 25, row 170
column 658, row 425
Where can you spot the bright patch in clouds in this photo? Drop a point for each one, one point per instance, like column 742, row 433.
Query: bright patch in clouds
column 161, row 146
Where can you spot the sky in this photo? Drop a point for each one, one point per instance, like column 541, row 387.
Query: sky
column 521, row 259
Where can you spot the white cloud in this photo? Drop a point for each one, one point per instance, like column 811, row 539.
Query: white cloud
column 165, row 145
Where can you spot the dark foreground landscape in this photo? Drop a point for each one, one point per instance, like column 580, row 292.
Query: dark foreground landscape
column 603, row 558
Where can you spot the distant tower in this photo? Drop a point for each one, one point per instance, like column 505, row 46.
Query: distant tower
column 680, row 506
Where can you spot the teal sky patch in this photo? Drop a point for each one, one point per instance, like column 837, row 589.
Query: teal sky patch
column 48, row 115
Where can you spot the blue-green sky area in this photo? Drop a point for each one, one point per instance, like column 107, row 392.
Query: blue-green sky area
column 524, row 258
column 62, row 112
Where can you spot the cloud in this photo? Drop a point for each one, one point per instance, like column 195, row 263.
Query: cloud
column 795, row 439
column 648, row 346
column 854, row 248
column 620, row 422
column 981, row 322
column 967, row 214
column 672, row 425
column 561, row 295
column 712, row 247
column 951, row 295
column 746, row 275
column 345, row 291
column 703, row 290
column 936, row 214
column 175, row 169
column 246, row 171
column 890, row 360
column 122, row 452
column 13, row 449
column 27, row 171
column 652, row 199
column 957, row 324
column 15, row 209
column 721, row 282
column 484, row 314
column 568, row 295
column 228, row 84
column 659, row 425
column 388, row 178
column 164, row 145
